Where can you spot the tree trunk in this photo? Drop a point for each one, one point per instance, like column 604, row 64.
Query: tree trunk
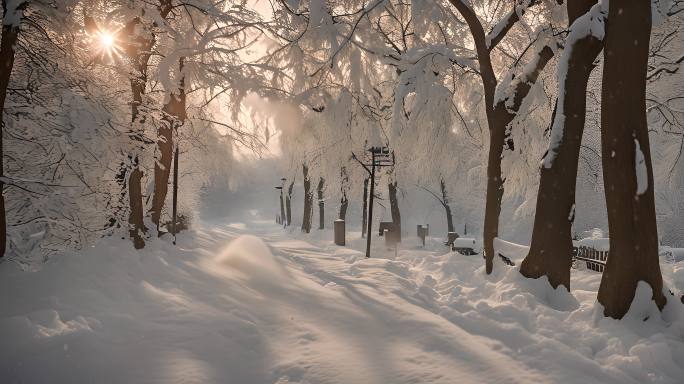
column 394, row 208
column 10, row 33
column 308, row 201
column 173, row 115
column 364, row 217
column 135, row 220
column 626, row 157
column 288, row 206
column 321, row 204
column 136, row 226
column 550, row 253
column 344, row 203
column 447, row 208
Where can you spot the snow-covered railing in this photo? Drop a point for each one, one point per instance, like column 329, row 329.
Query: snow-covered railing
column 595, row 259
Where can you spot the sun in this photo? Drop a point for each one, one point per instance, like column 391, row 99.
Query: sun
column 106, row 44
column 107, row 40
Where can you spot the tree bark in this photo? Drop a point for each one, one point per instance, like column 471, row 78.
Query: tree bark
column 136, row 227
column 288, row 204
column 364, row 217
column 308, row 201
column 321, row 204
column 174, row 115
column 550, row 252
column 10, row 33
column 394, row 208
column 447, row 208
column 626, row 157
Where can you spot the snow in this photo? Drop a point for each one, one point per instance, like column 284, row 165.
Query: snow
column 598, row 243
column 249, row 302
column 640, row 169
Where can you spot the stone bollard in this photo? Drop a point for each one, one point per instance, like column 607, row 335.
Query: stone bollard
column 391, row 238
column 339, row 232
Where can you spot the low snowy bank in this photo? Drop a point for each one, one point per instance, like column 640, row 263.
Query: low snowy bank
column 252, row 303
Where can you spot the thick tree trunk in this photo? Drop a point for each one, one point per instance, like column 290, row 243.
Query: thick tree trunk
column 550, row 253
column 626, row 155
column 174, row 115
column 394, row 208
column 364, row 217
column 308, row 201
column 321, row 204
column 10, row 33
column 288, row 204
column 447, row 208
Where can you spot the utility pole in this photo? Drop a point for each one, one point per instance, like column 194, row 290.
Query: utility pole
column 380, row 157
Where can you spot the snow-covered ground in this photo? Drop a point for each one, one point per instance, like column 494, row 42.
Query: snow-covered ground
column 252, row 303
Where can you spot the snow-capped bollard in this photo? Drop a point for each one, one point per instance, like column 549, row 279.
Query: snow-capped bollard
column 391, row 238
column 339, row 232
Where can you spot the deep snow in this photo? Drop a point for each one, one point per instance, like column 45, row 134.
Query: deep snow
column 253, row 303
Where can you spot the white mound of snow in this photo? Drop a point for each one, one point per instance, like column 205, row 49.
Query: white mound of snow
column 252, row 258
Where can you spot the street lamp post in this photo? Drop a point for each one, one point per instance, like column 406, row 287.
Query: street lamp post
column 380, row 157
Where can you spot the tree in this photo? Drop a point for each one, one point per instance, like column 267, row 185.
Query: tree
column 174, row 114
column 321, row 203
column 288, row 204
column 344, row 186
column 550, row 252
column 501, row 109
column 626, row 156
column 308, row 200
column 13, row 13
column 444, row 201
column 394, row 208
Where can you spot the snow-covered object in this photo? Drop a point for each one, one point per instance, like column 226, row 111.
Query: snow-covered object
column 640, row 169
column 598, row 243
column 465, row 242
column 672, row 254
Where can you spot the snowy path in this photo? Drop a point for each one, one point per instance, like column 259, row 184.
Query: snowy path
column 251, row 303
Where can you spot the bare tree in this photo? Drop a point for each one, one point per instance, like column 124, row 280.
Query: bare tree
column 444, row 201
